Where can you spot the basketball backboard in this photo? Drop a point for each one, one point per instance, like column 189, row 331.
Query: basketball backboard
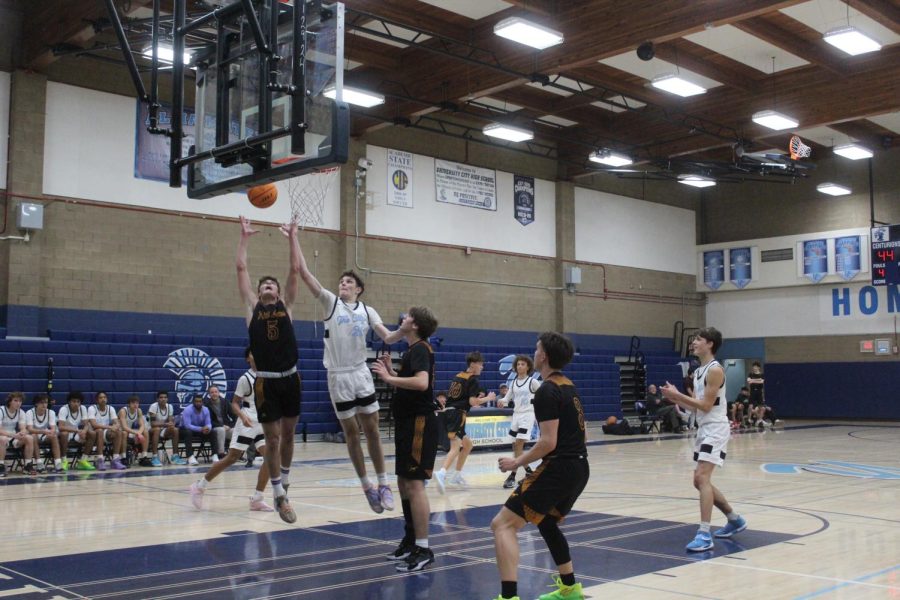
column 268, row 111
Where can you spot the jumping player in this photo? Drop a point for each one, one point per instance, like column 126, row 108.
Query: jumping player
column 274, row 348
column 350, row 382
column 547, row 496
column 712, row 436
column 247, row 432
column 415, row 434
column 520, row 395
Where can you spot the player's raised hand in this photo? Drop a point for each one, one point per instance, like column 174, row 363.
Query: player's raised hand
column 669, row 391
column 246, row 228
column 507, row 463
column 289, row 230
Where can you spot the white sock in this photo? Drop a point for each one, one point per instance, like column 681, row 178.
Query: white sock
column 202, row 483
column 257, row 496
column 704, row 526
column 117, row 457
column 366, row 484
column 285, row 476
column 422, row 543
column 57, row 462
column 278, row 489
column 382, row 479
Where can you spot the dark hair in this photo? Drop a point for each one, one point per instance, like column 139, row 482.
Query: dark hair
column 74, row 396
column 40, row 397
column 441, row 393
column 97, row 395
column 162, row 393
column 133, row 398
column 527, row 360
column 197, row 396
column 558, row 348
column 425, row 321
column 359, row 282
column 268, row 278
column 711, row 334
column 13, row 395
column 474, row 357
column 247, row 353
column 756, row 363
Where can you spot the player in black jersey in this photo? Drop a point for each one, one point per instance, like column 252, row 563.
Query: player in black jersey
column 274, row 348
column 546, row 496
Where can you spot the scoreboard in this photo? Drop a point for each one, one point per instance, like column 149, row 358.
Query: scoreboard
column 886, row 255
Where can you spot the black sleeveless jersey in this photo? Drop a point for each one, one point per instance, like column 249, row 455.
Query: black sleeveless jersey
column 558, row 399
column 464, row 386
column 272, row 338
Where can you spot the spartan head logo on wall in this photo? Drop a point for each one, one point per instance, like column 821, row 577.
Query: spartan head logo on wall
column 195, row 371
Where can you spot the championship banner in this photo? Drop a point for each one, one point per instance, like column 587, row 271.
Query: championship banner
column 713, row 268
column 400, row 178
column 523, row 198
column 815, row 259
column 465, row 185
column 151, row 151
column 740, row 267
column 847, row 256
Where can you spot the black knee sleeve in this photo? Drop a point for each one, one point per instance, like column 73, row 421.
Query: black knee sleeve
column 556, row 541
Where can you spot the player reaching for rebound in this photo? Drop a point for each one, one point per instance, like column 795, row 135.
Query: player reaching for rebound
column 247, row 432
column 274, row 349
column 521, row 392
column 712, row 436
column 350, row 382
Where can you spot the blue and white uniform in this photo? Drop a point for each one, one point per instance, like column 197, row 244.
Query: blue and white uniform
column 714, row 430
column 76, row 419
column 242, row 436
column 9, row 424
column 521, row 393
column 43, row 422
column 103, row 417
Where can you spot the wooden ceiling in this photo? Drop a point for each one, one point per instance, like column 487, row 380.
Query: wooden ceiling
column 441, row 82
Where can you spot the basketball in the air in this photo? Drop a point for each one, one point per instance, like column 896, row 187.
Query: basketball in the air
column 611, row 420
column 263, row 196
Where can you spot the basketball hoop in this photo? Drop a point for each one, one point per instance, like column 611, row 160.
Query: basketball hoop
column 308, row 193
column 798, row 148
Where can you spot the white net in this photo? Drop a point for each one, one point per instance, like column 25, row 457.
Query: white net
column 308, row 194
column 799, row 149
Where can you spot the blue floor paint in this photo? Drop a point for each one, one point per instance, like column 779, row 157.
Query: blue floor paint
column 348, row 560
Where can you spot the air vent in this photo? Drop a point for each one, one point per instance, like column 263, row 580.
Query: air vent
column 776, row 255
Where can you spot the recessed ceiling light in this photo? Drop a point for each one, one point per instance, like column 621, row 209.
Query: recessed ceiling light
column 608, row 157
column 355, row 96
column 676, row 85
column 165, row 54
column 853, row 151
column 774, row 120
column 851, row 40
column 507, row 132
column 696, row 181
column 525, row 32
column 833, row 189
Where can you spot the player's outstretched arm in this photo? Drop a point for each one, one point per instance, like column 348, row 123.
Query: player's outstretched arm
column 289, row 230
column 245, row 288
column 305, row 274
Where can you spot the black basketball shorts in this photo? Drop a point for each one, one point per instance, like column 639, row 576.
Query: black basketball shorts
column 277, row 398
column 551, row 490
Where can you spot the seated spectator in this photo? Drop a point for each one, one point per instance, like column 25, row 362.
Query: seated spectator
column 134, row 431
column 662, row 409
column 740, row 407
column 501, row 393
column 440, row 400
column 161, row 427
column 195, row 423
column 105, row 423
column 75, row 429
column 40, row 422
column 221, row 419
column 13, row 433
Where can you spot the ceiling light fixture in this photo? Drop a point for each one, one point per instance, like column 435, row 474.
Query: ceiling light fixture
column 851, row 40
column 774, row 120
column 508, row 132
column 833, row 189
column 853, row 151
column 608, row 157
column 676, row 85
column 697, row 181
column 525, row 32
column 165, row 54
column 355, row 96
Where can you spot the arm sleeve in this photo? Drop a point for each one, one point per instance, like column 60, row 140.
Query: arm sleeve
column 546, row 402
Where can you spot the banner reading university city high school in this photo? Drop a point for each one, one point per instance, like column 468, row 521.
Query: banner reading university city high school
column 456, row 183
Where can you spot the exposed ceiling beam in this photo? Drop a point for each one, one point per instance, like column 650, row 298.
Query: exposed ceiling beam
column 813, row 51
column 702, row 61
column 886, row 12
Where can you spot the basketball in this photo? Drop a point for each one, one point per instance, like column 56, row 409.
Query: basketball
column 263, row 196
column 611, row 420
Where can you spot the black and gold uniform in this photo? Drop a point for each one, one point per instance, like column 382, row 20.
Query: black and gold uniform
column 563, row 473
column 274, row 349
column 464, row 386
column 415, row 424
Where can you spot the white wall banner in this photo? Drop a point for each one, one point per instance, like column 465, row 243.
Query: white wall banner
column 466, row 185
column 400, row 178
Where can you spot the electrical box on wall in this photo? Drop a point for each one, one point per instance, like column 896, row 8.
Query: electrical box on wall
column 573, row 275
column 30, row 216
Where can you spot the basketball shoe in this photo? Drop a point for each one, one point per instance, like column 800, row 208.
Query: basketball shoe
column 417, row 560
column 284, row 509
column 731, row 528
column 564, row 592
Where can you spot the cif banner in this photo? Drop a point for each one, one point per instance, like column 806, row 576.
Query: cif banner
column 740, row 267
column 400, row 178
column 815, row 259
column 847, row 256
column 465, row 185
column 713, row 268
column 523, row 198
column 151, row 152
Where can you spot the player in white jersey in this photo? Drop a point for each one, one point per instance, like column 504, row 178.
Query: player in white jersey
column 134, row 431
column 712, row 436
column 40, row 422
column 105, row 423
column 74, row 428
column 13, row 433
column 161, row 427
column 520, row 394
column 350, row 382
column 247, row 431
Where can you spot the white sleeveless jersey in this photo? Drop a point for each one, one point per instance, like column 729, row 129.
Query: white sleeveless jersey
column 157, row 415
column 106, row 418
column 346, row 327
column 245, row 388
column 45, row 422
column 9, row 422
column 719, row 412
column 74, row 419
column 521, row 392
column 133, row 419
